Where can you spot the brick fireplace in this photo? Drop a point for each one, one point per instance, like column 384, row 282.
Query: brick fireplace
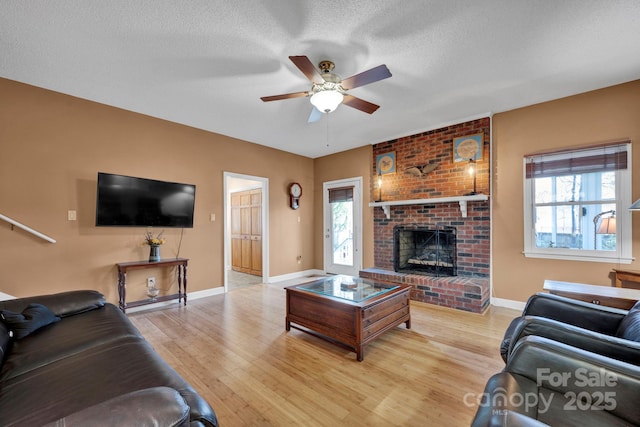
column 462, row 279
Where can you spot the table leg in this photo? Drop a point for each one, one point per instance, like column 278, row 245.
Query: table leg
column 360, row 353
column 184, row 284
column 179, row 284
column 287, row 324
column 122, row 290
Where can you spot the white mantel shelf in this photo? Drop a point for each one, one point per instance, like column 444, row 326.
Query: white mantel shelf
column 462, row 200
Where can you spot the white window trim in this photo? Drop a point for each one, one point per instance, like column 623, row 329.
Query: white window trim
column 622, row 254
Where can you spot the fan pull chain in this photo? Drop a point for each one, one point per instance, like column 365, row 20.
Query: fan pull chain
column 327, row 114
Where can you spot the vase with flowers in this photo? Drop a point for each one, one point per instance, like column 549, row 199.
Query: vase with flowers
column 154, row 243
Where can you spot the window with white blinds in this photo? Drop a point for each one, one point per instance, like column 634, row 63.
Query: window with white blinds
column 575, row 203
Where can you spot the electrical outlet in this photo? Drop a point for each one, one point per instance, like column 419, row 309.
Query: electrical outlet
column 151, row 282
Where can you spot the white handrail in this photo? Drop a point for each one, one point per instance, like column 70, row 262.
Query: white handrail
column 30, row 230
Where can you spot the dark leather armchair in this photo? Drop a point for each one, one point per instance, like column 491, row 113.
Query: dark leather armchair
column 603, row 330
column 546, row 382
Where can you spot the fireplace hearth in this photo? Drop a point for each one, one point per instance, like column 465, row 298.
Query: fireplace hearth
column 424, row 250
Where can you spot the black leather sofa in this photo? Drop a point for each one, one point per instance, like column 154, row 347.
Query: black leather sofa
column 80, row 361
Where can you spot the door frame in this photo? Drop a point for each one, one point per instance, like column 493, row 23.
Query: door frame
column 357, row 219
column 264, row 185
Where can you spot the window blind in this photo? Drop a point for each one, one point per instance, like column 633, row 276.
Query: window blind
column 343, row 194
column 601, row 158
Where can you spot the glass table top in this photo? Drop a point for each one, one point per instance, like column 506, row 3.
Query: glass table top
column 349, row 288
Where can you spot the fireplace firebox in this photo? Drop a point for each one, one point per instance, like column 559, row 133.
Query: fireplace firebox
column 424, row 250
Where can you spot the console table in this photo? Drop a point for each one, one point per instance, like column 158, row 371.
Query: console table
column 627, row 276
column 623, row 298
column 123, row 267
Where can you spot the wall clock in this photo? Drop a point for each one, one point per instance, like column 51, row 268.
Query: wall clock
column 295, row 191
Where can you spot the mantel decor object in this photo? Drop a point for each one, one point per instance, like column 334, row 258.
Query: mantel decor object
column 473, row 172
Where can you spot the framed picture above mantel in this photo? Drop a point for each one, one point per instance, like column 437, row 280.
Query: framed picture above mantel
column 468, row 147
column 386, row 163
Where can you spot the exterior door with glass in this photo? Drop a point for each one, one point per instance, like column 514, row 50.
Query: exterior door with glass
column 343, row 226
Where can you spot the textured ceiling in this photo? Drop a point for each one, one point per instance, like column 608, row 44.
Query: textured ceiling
column 206, row 63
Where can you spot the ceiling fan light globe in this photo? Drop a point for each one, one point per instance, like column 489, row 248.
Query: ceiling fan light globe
column 326, row 100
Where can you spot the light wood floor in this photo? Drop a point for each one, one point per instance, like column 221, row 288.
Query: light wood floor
column 234, row 350
column 236, row 280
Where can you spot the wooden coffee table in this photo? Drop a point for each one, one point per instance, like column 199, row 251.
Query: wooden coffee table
column 347, row 311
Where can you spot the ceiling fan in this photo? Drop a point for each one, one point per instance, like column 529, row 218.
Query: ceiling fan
column 328, row 90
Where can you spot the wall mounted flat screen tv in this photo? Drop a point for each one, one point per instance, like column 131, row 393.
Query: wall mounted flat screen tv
column 126, row 201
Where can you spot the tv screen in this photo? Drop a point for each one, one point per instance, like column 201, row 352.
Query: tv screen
column 126, row 201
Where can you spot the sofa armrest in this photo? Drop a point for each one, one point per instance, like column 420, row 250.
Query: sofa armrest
column 578, row 313
column 595, row 342
column 495, row 401
column 62, row 304
column 564, row 369
column 543, row 378
column 157, row 406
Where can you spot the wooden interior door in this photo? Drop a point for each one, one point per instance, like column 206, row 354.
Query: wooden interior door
column 236, row 235
column 256, row 233
column 246, row 232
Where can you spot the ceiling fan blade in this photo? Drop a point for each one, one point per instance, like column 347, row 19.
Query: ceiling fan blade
column 308, row 69
column 360, row 104
column 370, row 76
column 315, row 115
column 284, row 96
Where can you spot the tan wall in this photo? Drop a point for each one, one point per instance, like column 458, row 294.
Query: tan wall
column 348, row 164
column 596, row 116
column 53, row 145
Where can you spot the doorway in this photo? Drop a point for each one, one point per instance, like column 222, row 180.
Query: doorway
column 245, row 230
column 342, row 221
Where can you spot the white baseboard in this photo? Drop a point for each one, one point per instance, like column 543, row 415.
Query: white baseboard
column 190, row 297
column 296, row 275
column 501, row 302
column 206, row 293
